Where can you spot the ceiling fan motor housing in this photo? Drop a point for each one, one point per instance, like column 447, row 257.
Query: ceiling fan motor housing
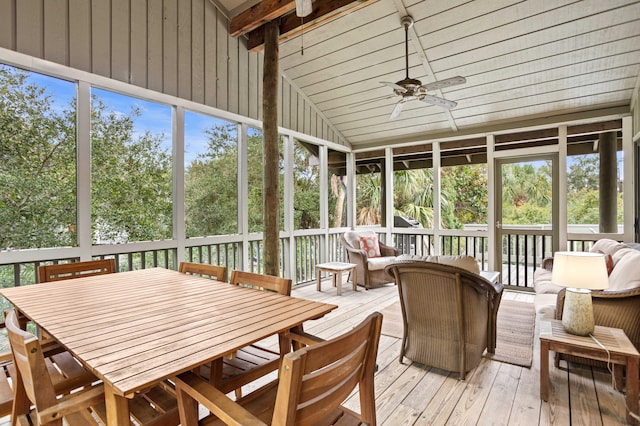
column 410, row 84
column 407, row 21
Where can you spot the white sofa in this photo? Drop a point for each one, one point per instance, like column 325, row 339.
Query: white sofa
column 625, row 275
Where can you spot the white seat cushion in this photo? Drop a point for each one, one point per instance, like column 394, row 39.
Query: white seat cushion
column 545, row 305
column 542, row 282
column 377, row 263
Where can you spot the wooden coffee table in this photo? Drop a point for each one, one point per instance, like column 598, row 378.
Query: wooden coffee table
column 337, row 269
column 553, row 337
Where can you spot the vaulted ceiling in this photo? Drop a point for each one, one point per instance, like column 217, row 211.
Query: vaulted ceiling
column 526, row 63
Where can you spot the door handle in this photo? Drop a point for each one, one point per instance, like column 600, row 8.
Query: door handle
column 498, row 225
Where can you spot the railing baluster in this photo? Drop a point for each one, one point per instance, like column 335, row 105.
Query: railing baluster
column 535, row 253
column 509, row 258
column 526, row 261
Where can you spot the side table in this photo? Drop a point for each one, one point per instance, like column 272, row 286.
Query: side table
column 337, row 269
column 491, row 276
column 553, row 337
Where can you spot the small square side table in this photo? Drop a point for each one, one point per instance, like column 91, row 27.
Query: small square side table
column 553, row 337
column 337, row 269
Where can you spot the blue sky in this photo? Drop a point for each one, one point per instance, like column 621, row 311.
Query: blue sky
column 154, row 117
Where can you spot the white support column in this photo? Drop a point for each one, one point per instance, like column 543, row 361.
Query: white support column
column 388, row 188
column 177, row 114
column 289, row 206
column 83, row 171
column 492, row 237
column 628, row 185
column 436, row 198
column 562, row 189
column 243, row 197
column 323, row 175
column 351, row 190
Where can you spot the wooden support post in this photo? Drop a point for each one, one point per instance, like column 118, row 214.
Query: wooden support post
column 271, row 193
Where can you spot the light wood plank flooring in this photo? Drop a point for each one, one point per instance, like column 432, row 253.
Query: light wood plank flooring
column 494, row 393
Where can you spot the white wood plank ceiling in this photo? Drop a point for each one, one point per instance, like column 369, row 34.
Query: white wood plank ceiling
column 523, row 61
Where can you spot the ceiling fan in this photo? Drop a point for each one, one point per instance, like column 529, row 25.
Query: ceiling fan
column 412, row 89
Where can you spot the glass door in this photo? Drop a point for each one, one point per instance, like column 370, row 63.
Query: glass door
column 526, row 215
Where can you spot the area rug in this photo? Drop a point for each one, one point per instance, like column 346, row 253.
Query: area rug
column 515, row 329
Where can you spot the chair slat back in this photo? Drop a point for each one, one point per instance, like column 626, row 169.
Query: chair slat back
column 205, row 270
column 260, row 281
column 64, row 271
column 32, row 375
column 315, row 381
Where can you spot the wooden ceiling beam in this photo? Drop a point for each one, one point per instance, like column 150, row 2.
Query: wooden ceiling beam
column 291, row 25
column 258, row 15
column 600, row 127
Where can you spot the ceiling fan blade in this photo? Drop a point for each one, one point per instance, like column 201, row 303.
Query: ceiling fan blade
column 394, row 86
column 447, row 82
column 396, row 110
column 303, row 8
column 434, row 100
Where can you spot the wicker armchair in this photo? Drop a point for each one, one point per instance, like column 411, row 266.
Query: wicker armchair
column 449, row 314
column 370, row 270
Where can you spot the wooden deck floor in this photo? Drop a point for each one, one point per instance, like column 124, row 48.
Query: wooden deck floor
column 494, row 393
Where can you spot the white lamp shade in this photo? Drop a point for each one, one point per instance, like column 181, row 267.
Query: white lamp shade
column 580, row 270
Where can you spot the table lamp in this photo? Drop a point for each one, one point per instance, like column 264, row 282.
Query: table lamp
column 580, row 272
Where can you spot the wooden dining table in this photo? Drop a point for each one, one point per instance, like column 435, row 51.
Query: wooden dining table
column 135, row 329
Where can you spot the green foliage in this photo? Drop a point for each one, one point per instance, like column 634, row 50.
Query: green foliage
column 526, row 193
column 583, row 207
column 37, row 166
column 466, row 195
column 131, row 183
column 583, row 174
column 368, row 199
column 413, row 195
column 306, row 193
column 211, row 195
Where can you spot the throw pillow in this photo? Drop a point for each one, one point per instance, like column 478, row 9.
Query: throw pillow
column 608, row 260
column 370, row 245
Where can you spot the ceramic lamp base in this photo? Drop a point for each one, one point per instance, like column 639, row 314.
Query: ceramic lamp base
column 577, row 315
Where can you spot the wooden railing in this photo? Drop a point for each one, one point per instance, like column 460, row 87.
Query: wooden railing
column 522, row 254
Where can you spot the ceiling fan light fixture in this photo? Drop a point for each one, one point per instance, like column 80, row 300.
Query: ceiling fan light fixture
column 412, row 89
column 303, row 8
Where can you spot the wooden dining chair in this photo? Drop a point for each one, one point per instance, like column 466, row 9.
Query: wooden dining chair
column 66, row 374
column 204, row 270
column 34, row 387
column 64, row 271
column 250, row 363
column 57, row 358
column 313, row 383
